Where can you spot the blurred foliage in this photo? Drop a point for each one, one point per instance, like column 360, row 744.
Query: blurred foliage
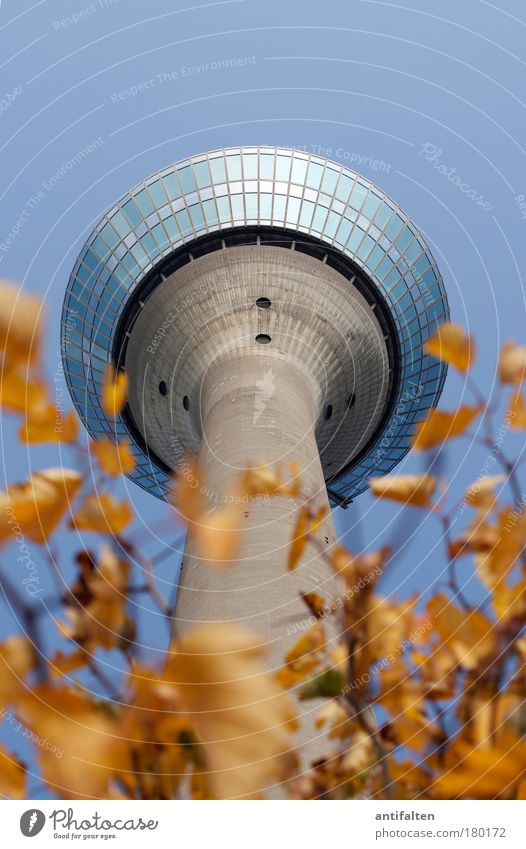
column 419, row 701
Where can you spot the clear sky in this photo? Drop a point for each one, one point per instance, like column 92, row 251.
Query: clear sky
column 412, row 96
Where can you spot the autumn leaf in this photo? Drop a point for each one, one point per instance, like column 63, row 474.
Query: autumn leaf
column 114, row 391
column 438, row 427
column 102, row 513
column 241, row 715
column 47, row 424
column 262, row 479
column 469, row 635
column 299, row 538
column 217, row 535
column 496, row 562
column 16, row 661
column 115, row 458
column 85, row 743
column 334, row 715
column 19, row 394
column 188, row 491
column 416, row 490
column 512, row 363
column 481, row 493
column 517, row 412
column 19, row 325
column 37, row 506
column 12, row 776
column 452, row 345
column 488, row 771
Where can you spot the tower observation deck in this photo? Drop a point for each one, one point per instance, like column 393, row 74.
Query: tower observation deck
column 266, row 304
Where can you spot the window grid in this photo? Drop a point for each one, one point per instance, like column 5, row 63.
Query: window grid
column 321, row 198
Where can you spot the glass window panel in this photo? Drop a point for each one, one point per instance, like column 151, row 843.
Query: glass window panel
column 100, row 247
column 332, row 225
column 370, row 207
column 299, row 171
column 344, row 231
column 279, row 207
column 320, row 217
column 266, row 167
column 330, row 178
column 223, row 205
column 356, row 237
column 144, row 202
column 345, row 185
column 365, row 248
column 307, row 211
column 413, row 252
column 157, row 193
column 376, row 257
column 172, row 229
column 314, row 175
column 210, row 213
column 250, row 168
column 251, row 202
column 293, row 210
column 384, row 268
column 265, row 207
column 393, row 228
column 217, row 167
column 233, row 164
column 383, row 215
column 121, row 225
column 196, row 214
column 202, row 175
column 110, row 236
column 132, row 213
column 404, row 239
column 283, row 168
column 238, row 210
column 183, row 221
column 160, row 236
column 186, row 178
column 357, row 196
column 171, row 185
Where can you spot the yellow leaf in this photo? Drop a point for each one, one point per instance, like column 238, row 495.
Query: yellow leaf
column 451, row 344
column 115, row 458
column 19, row 325
column 469, row 635
column 85, row 743
column 439, row 426
column 481, row 495
column 360, row 753
column 241, row 715
column 16, row 661
column 12, row 776
column 262, row 479
column 47, row 424
column 517, row 412
column 114, row 389
column 337, row 718
column 19, row 394
column 512, row 363
column 496, row 562
column 217, row 535
column 299, row 539
column 188, row 491
column 487, row 771
column 102, row 513
column 36, row 507
column 408, row 489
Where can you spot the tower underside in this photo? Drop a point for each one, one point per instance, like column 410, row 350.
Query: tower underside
column 248, row 355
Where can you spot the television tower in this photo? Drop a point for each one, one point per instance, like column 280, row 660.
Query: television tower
column 267, row 305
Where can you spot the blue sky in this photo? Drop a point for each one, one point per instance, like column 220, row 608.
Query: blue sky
column 403, row 94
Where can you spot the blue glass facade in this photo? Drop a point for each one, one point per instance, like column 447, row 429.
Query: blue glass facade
column 242, row 187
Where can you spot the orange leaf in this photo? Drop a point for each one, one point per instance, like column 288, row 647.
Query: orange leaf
column 451, row 344
column 18, row 394
column 512, row 363
column 469, row 635
column 407, row 489
column 12, row 776
column 517, row 412
column 36, row 507
column 439, row 426
column 114, row 389
column 19, row 325
column 115, row 458
column 49, row 425
column 103, row 514
column 299, row 539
